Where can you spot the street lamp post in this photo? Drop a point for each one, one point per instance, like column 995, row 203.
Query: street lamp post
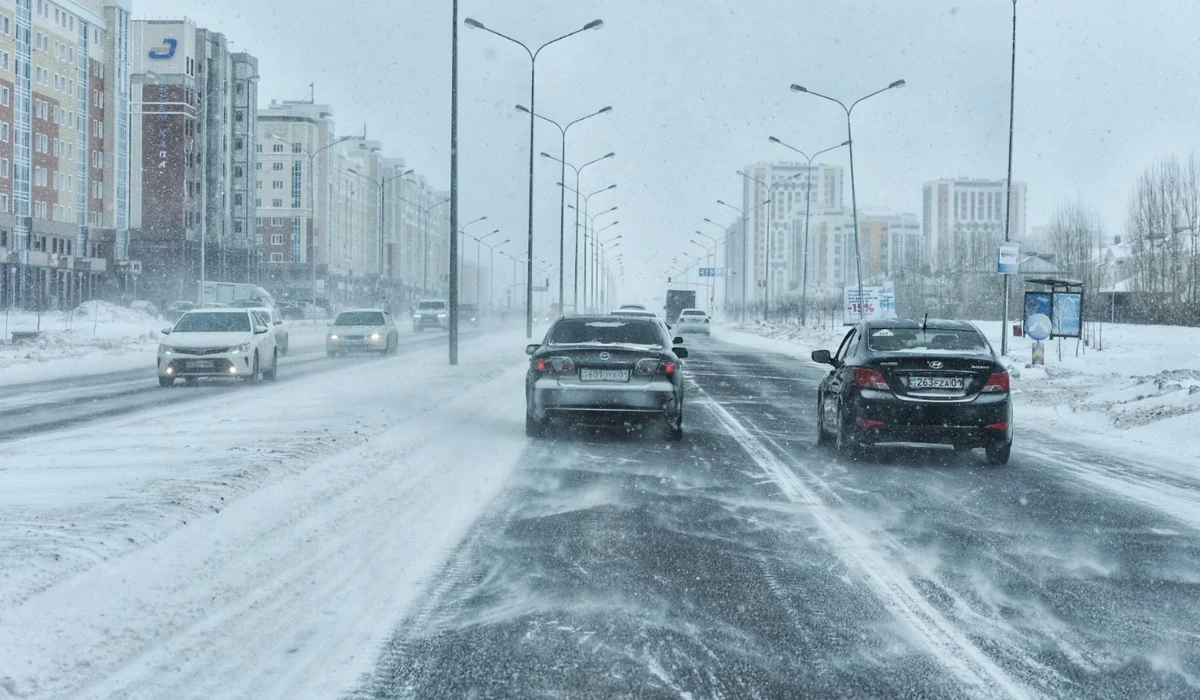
column 589, row 225
column 312, row 222
column 601, row 259
column 578, row 172
column 853, row 194
column 745, row 216
column 425, row 239
column 491, row 264
column 479, row 267
column 586, row 202
column 381, row 269
column 807, row 208
column 533, row 55
column 712, row 262
column 562, row 196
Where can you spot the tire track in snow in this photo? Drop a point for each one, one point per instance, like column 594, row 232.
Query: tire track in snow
column 949, row 645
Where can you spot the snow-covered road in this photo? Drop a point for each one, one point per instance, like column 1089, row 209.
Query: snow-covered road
column 384, row 529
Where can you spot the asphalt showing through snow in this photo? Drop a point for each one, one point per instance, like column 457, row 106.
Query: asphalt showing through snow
column 36, row 407
column 747, row 563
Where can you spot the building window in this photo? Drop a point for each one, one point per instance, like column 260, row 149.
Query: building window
column 277, row 166
column 3, row 131
column 277, row 203
column 238, row 227
column 258, row 238
column 258, row 165
column 258, row 202
column 4, row 173
column 277, row 221
column 277, row 148
column 238, row 144
column 258, row 148
column 277, row 184
column 276, row 239
column 297, row 147
column 237, row 200
column 4, row 210
column 276, row 257
column 237, row 171
column 239, row 116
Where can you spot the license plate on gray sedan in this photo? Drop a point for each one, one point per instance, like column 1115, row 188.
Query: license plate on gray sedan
column 604, row 375
column 935, row 383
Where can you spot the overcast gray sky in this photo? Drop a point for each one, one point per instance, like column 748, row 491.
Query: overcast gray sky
column 1104, row 87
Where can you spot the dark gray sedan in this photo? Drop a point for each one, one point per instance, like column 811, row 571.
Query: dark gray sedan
column 605, row 368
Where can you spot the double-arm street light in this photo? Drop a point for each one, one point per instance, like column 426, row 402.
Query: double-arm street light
column 424, row 237
column 479, row 243
column 578, row 172
column 312, row 222
column 491, row 264
column 533, row 56
column 603, row 248
column 562, row 196
column 853, row 194
column 462, row 231
column 745, row 217
column 381, row 224
column 589, row 234
column 712, row 263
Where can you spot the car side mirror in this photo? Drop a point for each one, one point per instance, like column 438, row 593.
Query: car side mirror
column 680, row 352
column 822, row 356
column 166, row 331
column 530, row 349
column 677, row 340
column 259, row 330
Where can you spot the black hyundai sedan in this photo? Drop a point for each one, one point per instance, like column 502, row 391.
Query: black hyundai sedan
column 606, row 368
column 915, row 381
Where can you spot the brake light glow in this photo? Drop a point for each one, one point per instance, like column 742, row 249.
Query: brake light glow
column 996, row 384
column 869, row 378
column 869, row 422
column 997, row 426
column 559, row 365
column 669, row 368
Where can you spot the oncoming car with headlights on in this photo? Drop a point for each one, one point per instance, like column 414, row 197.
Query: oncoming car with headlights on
column 606, row 368
column 234, row 343
column 431, row 313
column 362, row 330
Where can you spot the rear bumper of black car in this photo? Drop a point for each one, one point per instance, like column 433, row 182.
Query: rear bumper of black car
column 882, row 417
column 550, row 399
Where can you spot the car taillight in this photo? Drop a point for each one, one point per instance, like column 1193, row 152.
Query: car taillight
column 869, row 378
column 668, row 368
column 645, row 367
column 996, row 384
column 558, row 365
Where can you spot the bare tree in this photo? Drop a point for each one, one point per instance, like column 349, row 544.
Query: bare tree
column 1163, row 224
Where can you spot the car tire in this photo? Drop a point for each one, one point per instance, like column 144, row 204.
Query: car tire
column 674, row 430
column 822, row 436
column 846, row 444
column 396, row 344
column 534, row 427
column 997, row 454
column 274, row 373
column 283, row 349
column 166, row 381
column 253, row 377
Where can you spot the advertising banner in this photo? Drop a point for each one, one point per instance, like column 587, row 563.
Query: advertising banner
column 1008, row 260
column 877, row 302
column 1067, row 316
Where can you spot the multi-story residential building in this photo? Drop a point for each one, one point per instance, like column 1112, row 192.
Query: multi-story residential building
column 890, row 243
column 56, row 69
column 293, row 192
column 963, row 221
column 187, row 149
column 355, row 238
column 774, row 204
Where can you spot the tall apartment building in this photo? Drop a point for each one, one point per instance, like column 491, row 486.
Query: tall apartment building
column 774, row 206
column 57, row 212
column 189, row 155
column 963, row 221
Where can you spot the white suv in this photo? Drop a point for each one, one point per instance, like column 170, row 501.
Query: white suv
column 218, row 343
column 431, row 313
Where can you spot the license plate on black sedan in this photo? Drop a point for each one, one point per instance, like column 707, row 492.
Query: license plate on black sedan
column 935, row 382
column 604, row 375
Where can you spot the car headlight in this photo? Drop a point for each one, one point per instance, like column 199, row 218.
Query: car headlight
column 376, row 336
column 416, row 317
column 333, row 336
column 237, row 349
column 166, row 350
column 441, row 315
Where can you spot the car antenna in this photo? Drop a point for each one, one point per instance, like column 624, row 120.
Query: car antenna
column 925, row 322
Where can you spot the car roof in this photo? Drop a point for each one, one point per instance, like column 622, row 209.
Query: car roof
column 605, row 317
column 220, row 310
column 941, row 324
column 350, row 311
column 687, row 310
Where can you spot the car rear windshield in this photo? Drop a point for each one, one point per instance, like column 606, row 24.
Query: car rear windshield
column 931, row 340
column 199, row 322
column 606, row 332
column 431, row 305
column 693, row 312
column 359, row 318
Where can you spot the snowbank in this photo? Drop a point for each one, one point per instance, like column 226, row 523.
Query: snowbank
column 1142, row 387
column 95, row 337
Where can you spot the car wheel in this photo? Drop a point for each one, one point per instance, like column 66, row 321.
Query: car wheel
column 166, row 381
column 396, row 344
column 270, row 376
column 674, row 430
column 283, row 350
column 997, row 454
column 822, row 436
column 533, row 426
column 253, row 370
column 847, row 445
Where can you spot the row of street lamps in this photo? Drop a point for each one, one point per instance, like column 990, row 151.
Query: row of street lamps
column 744, row 215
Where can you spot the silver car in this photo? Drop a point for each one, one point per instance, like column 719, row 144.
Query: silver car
column 271, row 316
column 362, row 330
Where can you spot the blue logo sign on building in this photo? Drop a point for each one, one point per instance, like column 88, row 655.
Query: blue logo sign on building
column 167, row 50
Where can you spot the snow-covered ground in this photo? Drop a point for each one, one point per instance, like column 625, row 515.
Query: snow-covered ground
column 95, row 337
column 282, row 538
column 1141, row 391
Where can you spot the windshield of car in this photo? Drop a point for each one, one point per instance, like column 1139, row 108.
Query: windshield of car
column 200, row 322
column 930, row 340
column 359, row 318
column 616, row 332
column 431, row 306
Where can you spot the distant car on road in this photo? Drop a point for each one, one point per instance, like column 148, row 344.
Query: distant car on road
column 640, row 307
column 218, row 343
column 469, row 313
column 936, row 382
column 362, row 330
column 606, row 367
column 694, row 321
column 273, row 318
column 627, row 311
column 431, row 313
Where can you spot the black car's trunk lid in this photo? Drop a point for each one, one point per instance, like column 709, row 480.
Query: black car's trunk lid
column 932, row 375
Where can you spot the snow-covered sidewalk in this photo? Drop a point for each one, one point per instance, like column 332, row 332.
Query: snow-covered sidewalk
column 1139, row 395
column 262, row 548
